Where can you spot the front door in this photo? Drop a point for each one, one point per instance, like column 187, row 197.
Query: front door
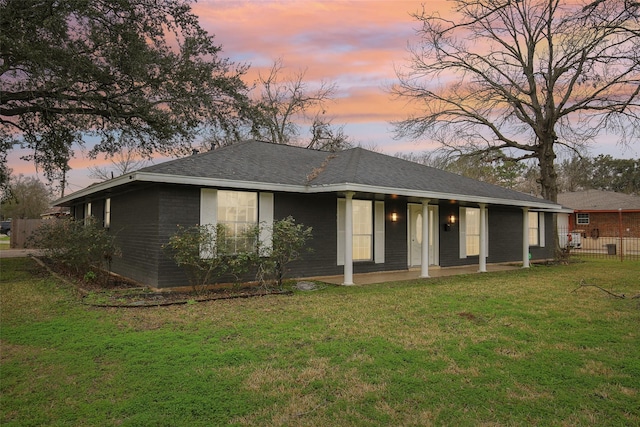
column 415, row 235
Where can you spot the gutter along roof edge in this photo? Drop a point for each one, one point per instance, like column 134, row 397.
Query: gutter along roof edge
column 308, row 189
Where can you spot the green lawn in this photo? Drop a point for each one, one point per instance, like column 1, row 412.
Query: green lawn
column 4, row 241
column 510, row 348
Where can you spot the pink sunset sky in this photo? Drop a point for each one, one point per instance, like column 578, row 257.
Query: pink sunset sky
column 355, row 44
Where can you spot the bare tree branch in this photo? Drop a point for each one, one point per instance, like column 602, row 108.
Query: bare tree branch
column 523, row 77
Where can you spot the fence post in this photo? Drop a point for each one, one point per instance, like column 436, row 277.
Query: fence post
column 620, row 234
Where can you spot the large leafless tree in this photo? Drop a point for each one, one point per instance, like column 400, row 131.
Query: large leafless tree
column 516, row 79
column 287, row 102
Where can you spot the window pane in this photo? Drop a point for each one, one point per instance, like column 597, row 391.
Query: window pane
column 583, row 218
column 362, row 230
column 533, row 229
column 473, row 245
column 361, row 248
column 472, row 219
column 238, row 212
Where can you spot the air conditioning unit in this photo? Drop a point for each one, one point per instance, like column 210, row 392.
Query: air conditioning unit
column 576, row 239
column 570, row 240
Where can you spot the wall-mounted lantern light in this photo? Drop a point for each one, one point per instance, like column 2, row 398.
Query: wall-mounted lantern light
column 394, row 216
column 451, row 220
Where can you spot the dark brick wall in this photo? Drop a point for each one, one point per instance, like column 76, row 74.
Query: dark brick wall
column 505, row 234
column 143, row 220
column 449, row 240
column 505, row 237
column 180, row 206
column 396, row 246
column 134, row 221
column 546, row 252
column 319, row 212
column 97, row 211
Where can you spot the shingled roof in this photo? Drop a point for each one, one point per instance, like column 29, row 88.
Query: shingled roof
column 262, row 165
column 598, row 200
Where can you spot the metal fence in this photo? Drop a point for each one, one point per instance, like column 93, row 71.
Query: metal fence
column 619, row 241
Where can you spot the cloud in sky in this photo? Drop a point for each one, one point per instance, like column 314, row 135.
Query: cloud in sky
column 356, row 44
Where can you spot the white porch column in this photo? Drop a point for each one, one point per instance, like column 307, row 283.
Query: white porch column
column 483, row 238
column 348, row 240
column 424, row 267
column 525, row 237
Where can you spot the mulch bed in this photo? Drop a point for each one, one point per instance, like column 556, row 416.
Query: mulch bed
column 117, row 291
column 144, row 297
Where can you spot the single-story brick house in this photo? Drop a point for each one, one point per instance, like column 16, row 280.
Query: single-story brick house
column 597, row 216
column 369, row 212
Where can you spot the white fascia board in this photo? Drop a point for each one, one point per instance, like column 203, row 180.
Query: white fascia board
column 435, row 195
column 559, row 210
column 94, row 188
column 218, row 182
column 179, row 179
column 290, row 188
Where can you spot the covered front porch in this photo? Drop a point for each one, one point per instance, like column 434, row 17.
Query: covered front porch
column 414, row 273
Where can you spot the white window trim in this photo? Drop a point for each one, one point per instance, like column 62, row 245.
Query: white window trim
column 462, row 227
column 378, row 232
column 537, row 228
column 209, row 215
column 265, row 219
column 87, row 212
column 587, row 217
column 107, row 212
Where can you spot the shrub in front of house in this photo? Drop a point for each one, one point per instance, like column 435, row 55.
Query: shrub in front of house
column 79, row 246
column 289, row 244
column 210, row 252
column 207, row 252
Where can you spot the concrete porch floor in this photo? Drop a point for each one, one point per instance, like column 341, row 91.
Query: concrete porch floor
column 412, row 274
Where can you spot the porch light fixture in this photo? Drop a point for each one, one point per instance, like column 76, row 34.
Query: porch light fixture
column 451, row 220
column 394, row 216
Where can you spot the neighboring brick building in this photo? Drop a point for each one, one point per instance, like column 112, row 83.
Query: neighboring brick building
column 603, row 213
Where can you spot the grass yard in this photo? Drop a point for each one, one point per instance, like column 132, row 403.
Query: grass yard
column 5, row 242
column 509, row 348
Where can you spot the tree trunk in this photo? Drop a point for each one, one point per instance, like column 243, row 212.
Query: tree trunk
column 548, row 175
column 549, row 184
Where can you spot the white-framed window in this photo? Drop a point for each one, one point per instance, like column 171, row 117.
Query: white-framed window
column 368, row 221
column 582, row 218
column 472, row 230
column 469, row 226
column 238, row 212
column 535, row 228
column 362, row 230
column 107, row 212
